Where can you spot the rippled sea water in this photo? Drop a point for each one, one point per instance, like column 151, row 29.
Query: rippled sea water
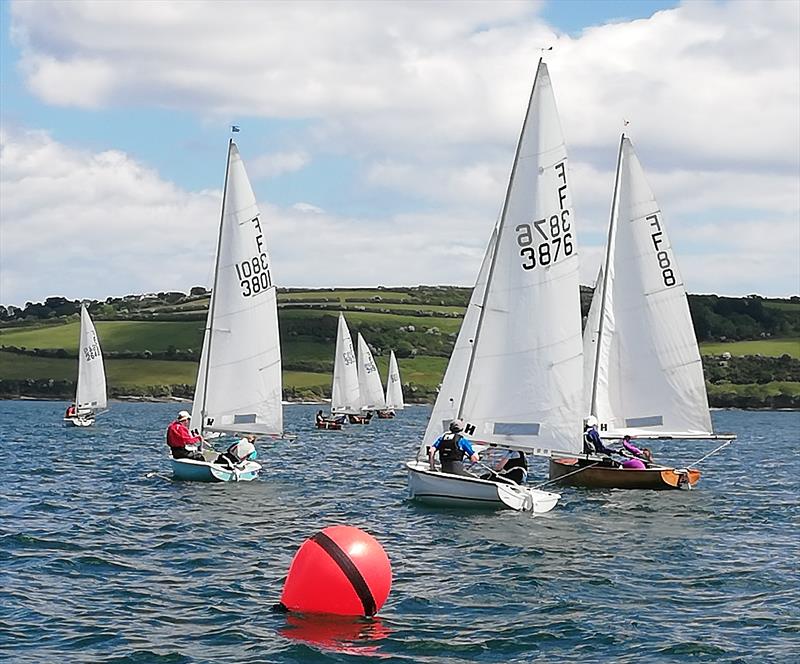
column 101, row 563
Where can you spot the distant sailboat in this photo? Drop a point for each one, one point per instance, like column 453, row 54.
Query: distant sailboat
column 642, row 367
column 239, row 384
column 394, row 390
column 515, row 377
column 345, row 393
column 369, row 379
column 90, row 397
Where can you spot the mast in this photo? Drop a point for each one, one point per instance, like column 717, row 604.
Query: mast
column 214, row 288
column 612, row 229
column 497, row 245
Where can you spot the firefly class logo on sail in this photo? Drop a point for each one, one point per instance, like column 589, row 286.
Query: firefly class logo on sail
column 254, row 275
column 664, row 262
column 554, row 230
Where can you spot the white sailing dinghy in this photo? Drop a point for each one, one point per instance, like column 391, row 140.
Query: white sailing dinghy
column 369, row 380
column 90, row 396
column 515, row 376
column 642, row 367
column 394, row 390
column 345, row 392
column 239, row 385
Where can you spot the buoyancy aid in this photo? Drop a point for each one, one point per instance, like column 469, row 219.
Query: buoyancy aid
column 449, row 448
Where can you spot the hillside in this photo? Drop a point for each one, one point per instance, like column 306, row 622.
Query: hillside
column 151, row 343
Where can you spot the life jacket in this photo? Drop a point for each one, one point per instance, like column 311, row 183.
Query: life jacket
column 449, row 448
column 589, row 446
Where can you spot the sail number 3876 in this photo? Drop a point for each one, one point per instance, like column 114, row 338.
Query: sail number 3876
column 254, row 275
column 556, row 240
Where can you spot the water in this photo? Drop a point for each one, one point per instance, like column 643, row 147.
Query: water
column 101, row 563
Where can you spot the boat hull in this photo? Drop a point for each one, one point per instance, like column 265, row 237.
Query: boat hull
column 190, row 470
column 602, row 477
column 329, row 426
column 436, row 488
column 385, row 414
column 78, row 421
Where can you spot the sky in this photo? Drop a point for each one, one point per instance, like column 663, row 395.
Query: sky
column 379, row 136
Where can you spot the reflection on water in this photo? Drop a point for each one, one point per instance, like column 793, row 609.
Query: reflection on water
column 340, row 634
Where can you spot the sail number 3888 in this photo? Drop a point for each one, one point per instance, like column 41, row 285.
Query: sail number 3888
column 254, row 276
column 556, row 240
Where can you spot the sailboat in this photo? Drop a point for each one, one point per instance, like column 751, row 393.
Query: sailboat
column 369, row 381
column 239, row 386
column 345, row 393
column 90, row 397
column 642, row 367
column 515, row 375
column 394, row 390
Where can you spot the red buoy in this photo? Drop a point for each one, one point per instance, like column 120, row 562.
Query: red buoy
column 341, row 570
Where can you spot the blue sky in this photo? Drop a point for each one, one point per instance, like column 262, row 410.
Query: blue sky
column 366, row 142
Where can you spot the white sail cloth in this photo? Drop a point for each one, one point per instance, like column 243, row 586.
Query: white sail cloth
column 239, row 383
column 91, row 390
column 345, row 393
column 524, row 386
column 641, row 355
column 394, row 386
column 369, row 379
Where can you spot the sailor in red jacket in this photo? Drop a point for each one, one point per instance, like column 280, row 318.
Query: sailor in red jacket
column 178, row 437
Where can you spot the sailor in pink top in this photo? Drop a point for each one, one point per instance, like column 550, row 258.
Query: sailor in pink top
column 640, row 456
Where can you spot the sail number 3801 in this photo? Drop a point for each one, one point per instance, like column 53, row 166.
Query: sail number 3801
column 556, row 240
column 254, row 276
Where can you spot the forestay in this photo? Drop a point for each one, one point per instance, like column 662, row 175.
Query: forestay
column 239, row 384
column 369, row 380
column 640, row 349
column 91, row 392
column 394, row 387
column 524, row 386
column 448, row 399
column 345, row 394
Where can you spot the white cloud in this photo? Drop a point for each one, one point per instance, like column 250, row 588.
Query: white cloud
column 277, row 163
column 428, row 99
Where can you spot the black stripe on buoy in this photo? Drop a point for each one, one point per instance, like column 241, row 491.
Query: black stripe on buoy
column 350, row 571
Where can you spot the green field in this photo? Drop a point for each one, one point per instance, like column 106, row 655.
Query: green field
column 445, row 325
column 756, row 389
column 766, row 347
column 119, row 335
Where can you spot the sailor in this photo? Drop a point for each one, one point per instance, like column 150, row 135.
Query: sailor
column 179, row 437
column 512, row 466
column 644, row 456
column 452, row 448
column 242, row 450
column 72, row 411
column 592, row 443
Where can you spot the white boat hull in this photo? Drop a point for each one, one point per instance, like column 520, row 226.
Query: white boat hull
column 437, row 488
column 191, row 470
column 78, row 421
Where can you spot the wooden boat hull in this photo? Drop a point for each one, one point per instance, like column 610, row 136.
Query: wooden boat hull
column 602, row 477
column 190, row 470
column 358, row 419
column 329, row 426
column 385, row 414
column 436, row 488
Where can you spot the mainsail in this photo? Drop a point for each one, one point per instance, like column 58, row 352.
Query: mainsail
column 524, row 386
column 369, row 380
column 91, row 392
column 639, row 345
column 394, row 387
column 239, row 386
column 345, row 396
